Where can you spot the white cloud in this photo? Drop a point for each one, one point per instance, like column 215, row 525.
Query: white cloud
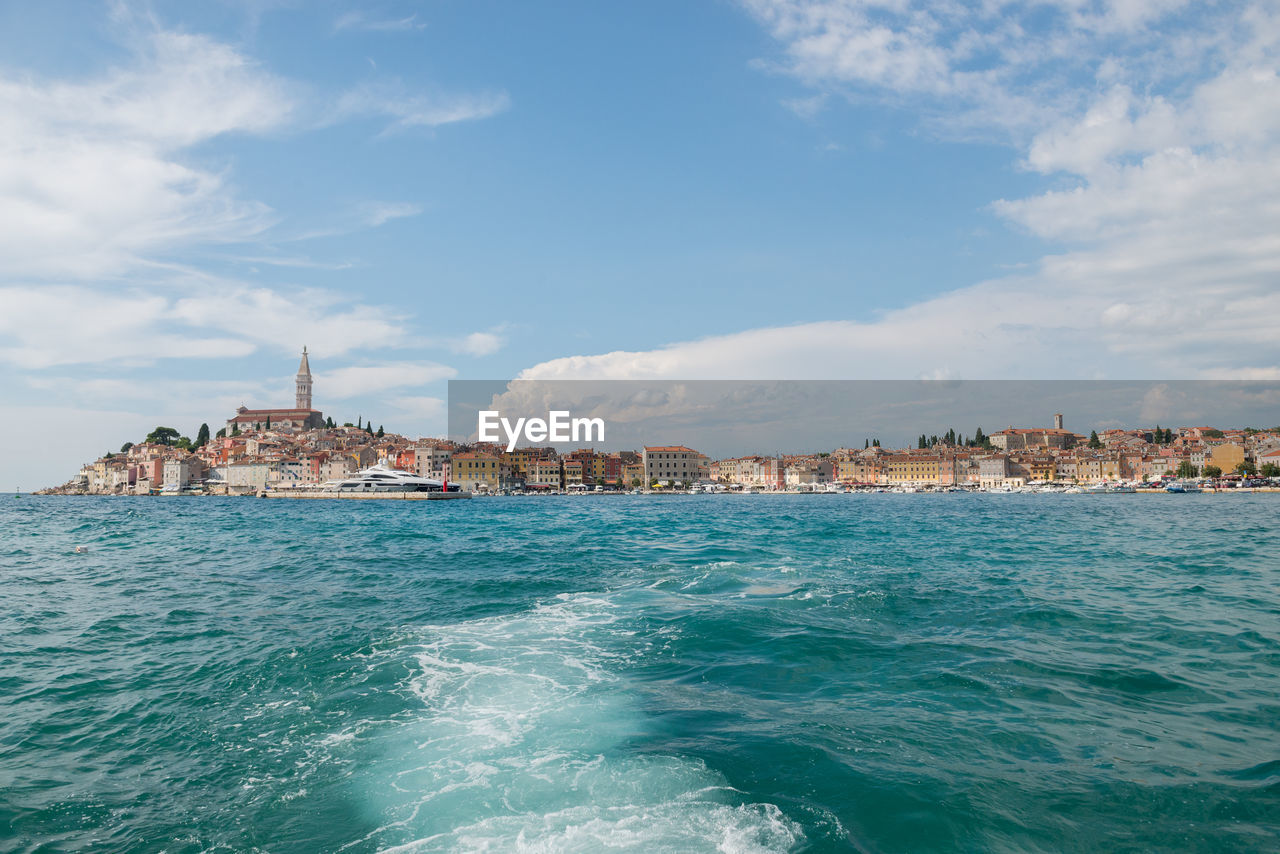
column 360, row 380
column 988, row 66
column 359, row 20
column 1169, row 205
column 409, row 109
column 380, row 213
column 44, row 326
column 98, row 177
column 479, row 343
column 90, row 178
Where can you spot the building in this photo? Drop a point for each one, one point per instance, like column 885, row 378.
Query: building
column 476, row 472
column 993, row 471
column 1023, row 438
column 432, row 460
column 672, row 464
column 300, row 417
column 1225, row 456
column 543, row 474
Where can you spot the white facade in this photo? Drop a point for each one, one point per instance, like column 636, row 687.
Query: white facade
column 177, row 474
column 336, row 468
column 431, row 461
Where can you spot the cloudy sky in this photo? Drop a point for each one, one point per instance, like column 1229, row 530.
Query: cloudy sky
column 820, row 189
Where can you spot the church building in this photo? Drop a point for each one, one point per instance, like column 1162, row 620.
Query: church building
column 301, row 417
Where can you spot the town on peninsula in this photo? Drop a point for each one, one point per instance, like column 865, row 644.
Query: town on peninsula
column 298, row 451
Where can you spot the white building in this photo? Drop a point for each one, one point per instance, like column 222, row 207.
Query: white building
column 177, row 474
column 431, row 461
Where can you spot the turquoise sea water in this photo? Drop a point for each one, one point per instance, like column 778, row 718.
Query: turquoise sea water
column 878, row 673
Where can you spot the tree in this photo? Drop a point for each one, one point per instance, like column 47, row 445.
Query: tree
column 359, row 422
column 1246, row 469
column 866, row 443
column 368, row 428
column 875, row 443
column 1186, row 469
column 235, row 430
column 222, row 433
column 184, row 443
column 124, row 449
column 1094, row 441
column 635, row 482
column 1211, row 471
column 202, row 436
column 162, row 436
column 268, row 422
column 1269, row 470
column 1213, row 434
column 328, row 422
column 380, row 432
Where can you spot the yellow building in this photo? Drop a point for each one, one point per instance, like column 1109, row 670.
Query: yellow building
column 910, row 469
column 543, row 474
column 633, row 474
column 476, row 472
column 1225, row 456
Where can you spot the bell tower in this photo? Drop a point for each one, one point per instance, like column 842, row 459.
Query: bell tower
column 303, row 383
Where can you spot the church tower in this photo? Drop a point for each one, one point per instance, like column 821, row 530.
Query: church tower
column 303, row 381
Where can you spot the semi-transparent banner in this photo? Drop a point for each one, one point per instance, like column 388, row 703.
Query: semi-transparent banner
column 722, row 418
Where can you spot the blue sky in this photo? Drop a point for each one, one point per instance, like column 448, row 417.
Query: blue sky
column 823, row 189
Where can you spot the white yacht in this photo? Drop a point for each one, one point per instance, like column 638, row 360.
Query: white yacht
column 382, row 478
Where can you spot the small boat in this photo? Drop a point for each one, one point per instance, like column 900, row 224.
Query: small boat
column 1182, row 487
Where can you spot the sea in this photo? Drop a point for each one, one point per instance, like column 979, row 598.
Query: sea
column 871, row 673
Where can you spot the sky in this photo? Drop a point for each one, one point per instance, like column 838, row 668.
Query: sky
column 761, row 189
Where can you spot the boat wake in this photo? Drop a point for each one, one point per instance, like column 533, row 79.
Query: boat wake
column 527, row 738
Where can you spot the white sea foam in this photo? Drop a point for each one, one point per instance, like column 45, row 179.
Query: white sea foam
column 523, row 743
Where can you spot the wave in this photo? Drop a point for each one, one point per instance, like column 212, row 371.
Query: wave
column 527, row 738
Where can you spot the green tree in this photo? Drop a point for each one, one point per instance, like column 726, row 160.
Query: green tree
column 124, row 449
column 380, row 432
column 368, row 428
column 359, row 422
column 1213, row 434
column 162, row 436
column 222, row 433
column 328, row 422
column 866, row 443
column 1094, row 441
column 1269, row 470
column 635, row 482
column 268, row 422
column 1186, row 469
column 1211, row 471
column 1247, row 469
column 202, row 436
column 184, row 443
